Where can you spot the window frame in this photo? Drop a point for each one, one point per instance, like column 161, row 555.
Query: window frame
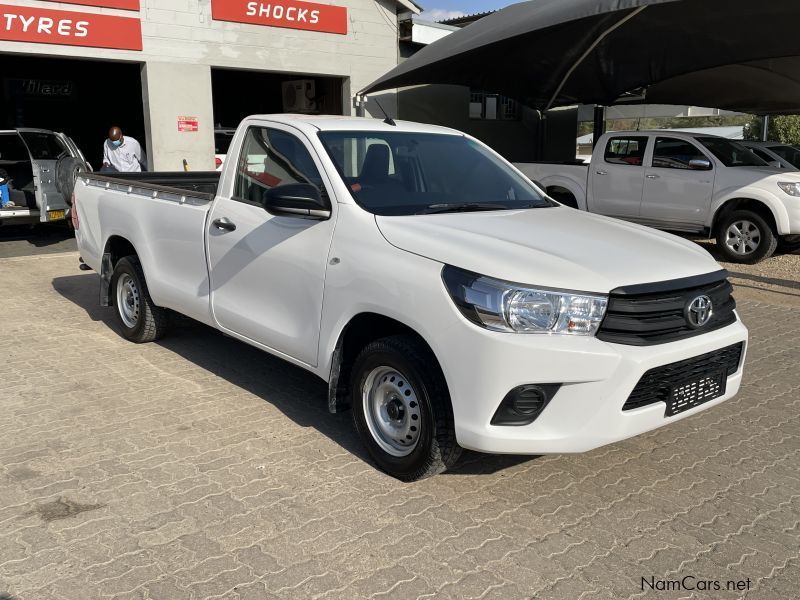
column 298, row 135
column 685, row 141
column 638, row 137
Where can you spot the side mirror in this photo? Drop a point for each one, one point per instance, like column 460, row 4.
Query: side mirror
column 775, row 163
column 700, row 164
column 297, row 200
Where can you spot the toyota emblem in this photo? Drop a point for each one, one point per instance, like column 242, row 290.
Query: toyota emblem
column 699, row 311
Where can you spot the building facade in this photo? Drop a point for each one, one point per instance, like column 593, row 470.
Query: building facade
column 171, row 71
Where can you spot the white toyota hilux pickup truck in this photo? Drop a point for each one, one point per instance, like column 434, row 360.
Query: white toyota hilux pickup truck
column 682, row 181
column 442, row 296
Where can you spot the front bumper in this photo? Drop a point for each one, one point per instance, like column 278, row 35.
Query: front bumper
column 597, row 377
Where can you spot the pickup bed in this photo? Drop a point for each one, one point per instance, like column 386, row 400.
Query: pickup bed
column 681, row 181
column 444, row 298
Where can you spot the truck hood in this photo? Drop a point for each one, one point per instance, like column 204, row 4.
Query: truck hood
column 550, row 247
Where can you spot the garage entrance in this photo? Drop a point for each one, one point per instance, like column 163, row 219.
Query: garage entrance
column 238, row 94
column 81, row 98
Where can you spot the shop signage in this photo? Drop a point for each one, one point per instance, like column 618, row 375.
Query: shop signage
column 123, row 4
column 188, row 124
column 41, row 87
column 292, row 14
column 46, row 26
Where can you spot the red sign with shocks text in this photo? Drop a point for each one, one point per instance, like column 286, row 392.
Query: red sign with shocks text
column 292, row 14
column 45, row 26
column 123, row 4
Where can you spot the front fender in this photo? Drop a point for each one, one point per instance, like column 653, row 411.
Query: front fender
column 771, row 201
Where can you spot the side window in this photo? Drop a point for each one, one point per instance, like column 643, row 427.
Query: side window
column 44, row 146
column 762, row 155
column 626, row 151
column 671, row 153
column 270, row 158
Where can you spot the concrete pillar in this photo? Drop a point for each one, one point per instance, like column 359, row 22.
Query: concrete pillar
column 172, row 91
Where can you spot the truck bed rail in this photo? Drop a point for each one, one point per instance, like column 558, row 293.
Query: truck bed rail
column 183, row 188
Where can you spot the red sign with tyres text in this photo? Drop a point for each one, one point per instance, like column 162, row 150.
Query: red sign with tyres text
column 292, row 14
column 188, row 124
column 122, row 4
column 45, row 26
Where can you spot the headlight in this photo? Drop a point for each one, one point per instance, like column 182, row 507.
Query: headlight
column 793, row 189
column 503, row 306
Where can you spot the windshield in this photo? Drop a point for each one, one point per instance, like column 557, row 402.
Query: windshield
column 788, row 153
column 731, row 154
column 400, row 173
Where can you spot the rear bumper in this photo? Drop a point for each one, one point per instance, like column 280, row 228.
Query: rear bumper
column 19, row 215
column 587, row 411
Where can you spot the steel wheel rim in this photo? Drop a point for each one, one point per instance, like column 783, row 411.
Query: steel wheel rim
column 743, row 237
column 128, row 302
column 391, row 410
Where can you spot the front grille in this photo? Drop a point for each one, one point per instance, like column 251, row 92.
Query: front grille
column 657, row 384
column 648, row 318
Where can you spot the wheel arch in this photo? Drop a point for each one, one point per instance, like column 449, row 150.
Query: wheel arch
column 359, row 331
column 116, row 247
column 568, row 185
column 761, row 208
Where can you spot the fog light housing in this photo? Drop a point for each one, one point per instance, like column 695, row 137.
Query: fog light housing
column 524, row 404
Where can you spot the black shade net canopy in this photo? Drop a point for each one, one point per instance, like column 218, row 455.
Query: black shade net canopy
column 733, row 54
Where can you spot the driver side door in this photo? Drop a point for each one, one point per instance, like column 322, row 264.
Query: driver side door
column 267, row 272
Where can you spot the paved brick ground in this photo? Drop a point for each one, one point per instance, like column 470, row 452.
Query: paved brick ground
column 201, row 468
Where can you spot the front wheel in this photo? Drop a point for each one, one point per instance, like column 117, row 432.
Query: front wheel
column 401, row 409
column 745, row 237
column 140, row 319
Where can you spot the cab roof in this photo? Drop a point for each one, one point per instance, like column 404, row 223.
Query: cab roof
column 313, row 123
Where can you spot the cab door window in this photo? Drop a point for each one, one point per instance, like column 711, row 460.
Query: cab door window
column 672, row 153
column 628, row 151
column 269, row 158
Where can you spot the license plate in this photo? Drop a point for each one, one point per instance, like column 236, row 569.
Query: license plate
column 55, row 215
column 695, row 392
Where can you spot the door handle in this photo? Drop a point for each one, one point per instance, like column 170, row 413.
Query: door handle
column 653, row 176
column 224, row 224
column 602, row 172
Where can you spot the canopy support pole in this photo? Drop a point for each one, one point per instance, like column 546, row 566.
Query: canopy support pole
column 599, row 124
column 588, row 51
column 765, row 129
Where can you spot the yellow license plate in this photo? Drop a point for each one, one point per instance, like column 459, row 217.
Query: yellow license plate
column 55, row 215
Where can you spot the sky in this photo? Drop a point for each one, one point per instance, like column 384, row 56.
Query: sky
column 436, row 10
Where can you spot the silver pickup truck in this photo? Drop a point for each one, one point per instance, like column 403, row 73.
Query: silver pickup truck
column 41, row 166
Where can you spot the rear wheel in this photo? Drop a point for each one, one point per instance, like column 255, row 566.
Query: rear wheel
column 745, row 237
column 140, row 319
column 401, row 409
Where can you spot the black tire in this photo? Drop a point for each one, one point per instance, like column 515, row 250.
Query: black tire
column 148, row 322
column 67, row 170
column 767, row 242
column 436, row 449
column 789, row 244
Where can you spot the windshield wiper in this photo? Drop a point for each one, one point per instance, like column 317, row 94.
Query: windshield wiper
column 462, row 207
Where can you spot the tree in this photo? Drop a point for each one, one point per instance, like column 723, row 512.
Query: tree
column 782, row 128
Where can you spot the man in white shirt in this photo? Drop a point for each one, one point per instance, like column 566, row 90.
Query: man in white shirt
column 122, row 153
